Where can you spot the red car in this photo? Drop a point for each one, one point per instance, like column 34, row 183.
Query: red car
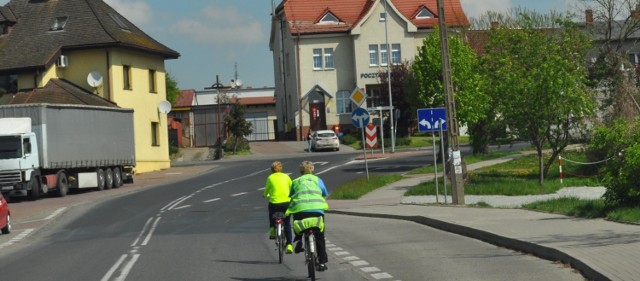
column 5, row 216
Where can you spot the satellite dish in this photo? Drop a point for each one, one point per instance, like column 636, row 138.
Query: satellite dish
column 94, row 79
column 164, row 107
column 238, row 83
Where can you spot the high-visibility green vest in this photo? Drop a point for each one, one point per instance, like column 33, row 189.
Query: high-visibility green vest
column 306, row 195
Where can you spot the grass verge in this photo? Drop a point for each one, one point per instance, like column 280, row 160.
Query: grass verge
column 356, row 188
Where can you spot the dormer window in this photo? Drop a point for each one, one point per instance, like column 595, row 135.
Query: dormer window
column 119, row 21
column 59, row 23
column 425, row 14
column 329, row 18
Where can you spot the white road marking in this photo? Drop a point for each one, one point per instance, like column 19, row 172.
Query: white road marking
column 211, row 200
column 113, row 269
column 238, row 194
column 370, row 269
column 17, row 238
column 127, row 268
column 153, row 228
column 55, row 213
column 359, row 263
column 182, row 207
column 144, row 228
column 351, row 258
column 381, row 275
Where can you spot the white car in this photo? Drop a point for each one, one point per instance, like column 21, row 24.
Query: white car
column 324, row 139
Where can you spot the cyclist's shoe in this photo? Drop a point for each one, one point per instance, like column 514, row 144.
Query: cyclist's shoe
column 322, row 267
column 299, row 248
column 272, row 233
column 289, row 249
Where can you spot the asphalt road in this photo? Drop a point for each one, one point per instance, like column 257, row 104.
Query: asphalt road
column 213, row 227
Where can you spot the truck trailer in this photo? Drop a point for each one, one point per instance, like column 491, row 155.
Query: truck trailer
column 57, row 147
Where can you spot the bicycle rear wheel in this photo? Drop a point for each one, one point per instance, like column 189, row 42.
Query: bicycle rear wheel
column 311, row 256
column 280, row 242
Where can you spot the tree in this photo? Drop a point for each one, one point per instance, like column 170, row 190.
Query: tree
column 472, row 105
column 538, row 76
column 400, row 76
column 236, row 124
column 172, row 89
column 614, row 27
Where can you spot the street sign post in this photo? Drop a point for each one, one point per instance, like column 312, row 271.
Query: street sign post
column 360, row 119
column 435, row 120
column 371, row 135
column 432, row 119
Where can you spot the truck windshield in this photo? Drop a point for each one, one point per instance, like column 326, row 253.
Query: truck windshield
column 10, row 147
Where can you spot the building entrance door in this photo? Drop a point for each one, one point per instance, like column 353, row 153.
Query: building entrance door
column 317, row 117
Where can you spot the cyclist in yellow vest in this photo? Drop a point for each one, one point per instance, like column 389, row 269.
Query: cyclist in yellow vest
column 277, row 189
column 308, row 194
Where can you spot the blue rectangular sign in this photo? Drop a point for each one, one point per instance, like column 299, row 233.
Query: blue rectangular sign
column 432, row 119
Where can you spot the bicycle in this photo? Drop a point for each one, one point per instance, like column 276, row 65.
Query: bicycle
column 308, row 227
column 281, row 241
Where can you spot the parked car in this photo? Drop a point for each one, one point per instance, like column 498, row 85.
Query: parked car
column 324, row 139
column 5, row 216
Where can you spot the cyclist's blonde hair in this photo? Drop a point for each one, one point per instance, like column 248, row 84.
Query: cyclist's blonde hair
column 276, row 167
column 306, row 167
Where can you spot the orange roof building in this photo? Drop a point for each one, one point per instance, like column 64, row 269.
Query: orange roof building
column 324, row 49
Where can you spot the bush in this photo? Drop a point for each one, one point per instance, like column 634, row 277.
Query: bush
column 173, row 149
column 621, row 143
column 348, row 139
column 243, row 144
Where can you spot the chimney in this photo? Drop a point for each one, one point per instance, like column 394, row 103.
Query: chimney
column 588, row 16
column 495, row 25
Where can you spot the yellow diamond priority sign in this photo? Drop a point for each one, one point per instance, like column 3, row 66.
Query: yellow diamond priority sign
column 357, row 96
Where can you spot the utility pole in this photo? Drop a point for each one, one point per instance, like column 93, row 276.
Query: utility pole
column 455, row 162
column 218, row 86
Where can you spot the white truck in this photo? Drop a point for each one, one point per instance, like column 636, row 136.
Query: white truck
column 56, row 147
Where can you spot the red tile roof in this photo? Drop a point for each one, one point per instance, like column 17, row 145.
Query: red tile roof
column 303, row 16
column 185, row 99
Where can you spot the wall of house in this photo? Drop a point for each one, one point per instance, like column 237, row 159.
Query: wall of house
column 83, row 62
column 149, row 157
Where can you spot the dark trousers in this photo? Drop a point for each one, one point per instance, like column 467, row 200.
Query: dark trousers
column 320, row 242
column 281, row 207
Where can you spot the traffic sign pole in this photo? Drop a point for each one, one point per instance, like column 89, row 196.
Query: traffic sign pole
column 364, row 150
column 435, row 164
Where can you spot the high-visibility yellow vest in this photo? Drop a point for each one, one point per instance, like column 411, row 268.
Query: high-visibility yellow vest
column 306, row 195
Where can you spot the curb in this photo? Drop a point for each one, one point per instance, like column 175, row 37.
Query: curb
column 540, row 251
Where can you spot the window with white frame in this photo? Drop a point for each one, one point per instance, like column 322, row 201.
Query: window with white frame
column 384, row 54
column 396, row 56
column 317, row 58
column 328, row 58
column 343, row 102
column 373, row 54
column 323, row 58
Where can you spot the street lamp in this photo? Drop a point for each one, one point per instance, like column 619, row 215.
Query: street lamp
column 386, row 35
column 217, row 86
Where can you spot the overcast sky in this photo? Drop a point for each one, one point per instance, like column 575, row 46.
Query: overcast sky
column 213, row 35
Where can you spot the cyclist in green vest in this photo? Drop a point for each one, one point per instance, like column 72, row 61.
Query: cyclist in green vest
column 277, row 189
column 308, row 194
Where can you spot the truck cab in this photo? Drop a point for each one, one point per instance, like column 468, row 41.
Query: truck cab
column 19, row 160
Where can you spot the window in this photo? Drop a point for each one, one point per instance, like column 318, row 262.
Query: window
column 119, row 21
column 383, row 17
column 328, row 58
column 323, row 58
column 343, row 102
column 59, row 23
column 424, row 14
column 396, row 56
column 634, row 58
column 4, row 29
column 384, row 54
column 373, row 54
column 329, row 18
column 152, row 81
column 374, row 96
column 126, row 76
column 154, row 134
column 317, row 58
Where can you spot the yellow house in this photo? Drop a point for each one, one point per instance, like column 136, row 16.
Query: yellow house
column 84, row 52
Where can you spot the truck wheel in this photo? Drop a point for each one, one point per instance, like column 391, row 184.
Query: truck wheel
column 34, row 188
column 117, row 177
column 62, row 184
column 108, row 178
column 101, row 180
column 7, row 228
